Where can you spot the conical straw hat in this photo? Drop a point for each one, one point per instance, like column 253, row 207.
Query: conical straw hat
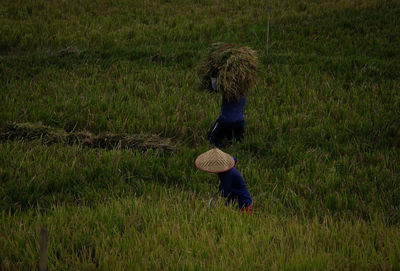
column 214, row 161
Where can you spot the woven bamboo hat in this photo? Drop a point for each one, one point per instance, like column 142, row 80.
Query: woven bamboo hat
column 214, row 161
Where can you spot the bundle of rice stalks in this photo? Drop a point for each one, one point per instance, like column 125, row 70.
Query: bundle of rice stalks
column 234, row 67
column 32, row 131
column 49, row 135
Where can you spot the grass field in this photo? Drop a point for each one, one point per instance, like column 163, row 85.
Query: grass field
column 321, row 154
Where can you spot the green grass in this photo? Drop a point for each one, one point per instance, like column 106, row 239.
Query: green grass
column 145, row 233
column 321, row 153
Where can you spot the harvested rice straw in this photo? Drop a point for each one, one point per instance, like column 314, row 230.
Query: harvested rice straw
column 234, row 67
column 49, row 135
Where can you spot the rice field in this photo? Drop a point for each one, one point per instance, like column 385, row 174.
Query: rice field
column 101, row 119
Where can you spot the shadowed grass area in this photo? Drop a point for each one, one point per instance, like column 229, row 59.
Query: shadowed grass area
column 321, row 153
column 300, row 183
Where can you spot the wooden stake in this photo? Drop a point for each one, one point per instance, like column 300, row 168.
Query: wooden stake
column 44, row 237
column 268, row 17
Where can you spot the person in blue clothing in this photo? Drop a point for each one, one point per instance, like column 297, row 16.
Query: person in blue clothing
column 229, row 70
column 232, row 185
column 230, row 123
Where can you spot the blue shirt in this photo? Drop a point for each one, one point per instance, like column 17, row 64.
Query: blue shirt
column 233, row 187
column 232, row 111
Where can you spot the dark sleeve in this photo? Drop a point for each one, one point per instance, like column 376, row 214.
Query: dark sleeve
column 225, row 187
column 238, row 181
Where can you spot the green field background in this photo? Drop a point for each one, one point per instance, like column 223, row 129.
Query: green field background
column 321, row 153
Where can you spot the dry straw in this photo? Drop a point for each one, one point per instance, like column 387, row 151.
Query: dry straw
column 49, row 135
column 234, row 67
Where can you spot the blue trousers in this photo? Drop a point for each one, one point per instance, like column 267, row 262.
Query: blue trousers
column 221, row 130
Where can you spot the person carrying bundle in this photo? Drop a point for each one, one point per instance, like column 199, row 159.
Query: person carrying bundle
column 229, row 70
column 232, row 185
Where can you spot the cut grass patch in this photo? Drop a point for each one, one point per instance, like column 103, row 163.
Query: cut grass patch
column 49, row 135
